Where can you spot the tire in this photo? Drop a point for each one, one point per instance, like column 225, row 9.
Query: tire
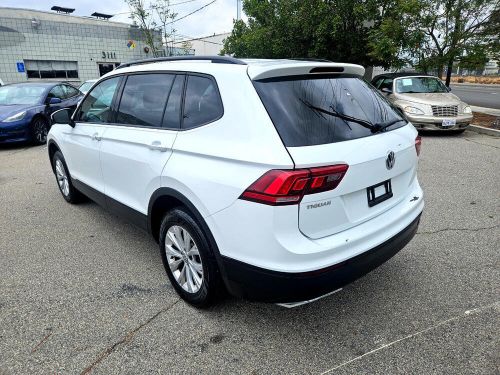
column 201, row 283
column 63, row 178
column 39, row 129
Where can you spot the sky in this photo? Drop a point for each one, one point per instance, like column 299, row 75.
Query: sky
column 214, row 19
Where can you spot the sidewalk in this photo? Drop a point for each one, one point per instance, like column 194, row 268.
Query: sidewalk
column 488, row 111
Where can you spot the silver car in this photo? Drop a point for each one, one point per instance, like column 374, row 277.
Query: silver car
column 87, row 85
column 425, row 101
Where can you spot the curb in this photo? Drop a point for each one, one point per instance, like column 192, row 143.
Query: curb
column 481, row 130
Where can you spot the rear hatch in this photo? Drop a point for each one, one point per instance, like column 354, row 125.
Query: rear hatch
column 334, row 119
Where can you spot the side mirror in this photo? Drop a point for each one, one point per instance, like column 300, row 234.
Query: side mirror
column 54, row 101
column 63, row 116
column 386, row 90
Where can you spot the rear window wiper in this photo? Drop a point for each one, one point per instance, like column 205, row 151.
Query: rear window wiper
column 342, row 116
column 382, row 127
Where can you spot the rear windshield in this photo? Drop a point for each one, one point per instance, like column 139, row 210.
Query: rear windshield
column 317, row 110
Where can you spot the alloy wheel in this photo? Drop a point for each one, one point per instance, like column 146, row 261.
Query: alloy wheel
column 40, row 131
column 62, row 178
column 184, row 259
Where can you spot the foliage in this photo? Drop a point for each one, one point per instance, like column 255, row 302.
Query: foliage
column 433, row 34
column 330, row 29
column 428, row 34
column 154, row 21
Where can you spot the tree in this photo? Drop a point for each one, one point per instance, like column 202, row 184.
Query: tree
column 433, row 34
column 154, row 21
column 331, row 29
column 165, row 18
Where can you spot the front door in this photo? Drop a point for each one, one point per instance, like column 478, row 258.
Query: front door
column 84, row 140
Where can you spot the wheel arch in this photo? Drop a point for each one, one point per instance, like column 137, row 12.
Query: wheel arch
column 52, row 147
column 164, row 199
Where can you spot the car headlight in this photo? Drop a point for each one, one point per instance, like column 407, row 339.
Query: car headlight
column 467, row 109
column 413, row 110
column 16, row 117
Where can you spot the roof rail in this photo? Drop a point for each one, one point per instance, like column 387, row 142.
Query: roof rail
column 213, row 59
column 309, row 59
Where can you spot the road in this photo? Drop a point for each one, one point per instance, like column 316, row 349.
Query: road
column 479, row 95
column 83, row 292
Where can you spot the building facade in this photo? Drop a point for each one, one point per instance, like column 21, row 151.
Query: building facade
column 204, row 46
column 38, row 45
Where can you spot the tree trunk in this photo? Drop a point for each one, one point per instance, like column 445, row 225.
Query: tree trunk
column 448, row 72
column 440, row 71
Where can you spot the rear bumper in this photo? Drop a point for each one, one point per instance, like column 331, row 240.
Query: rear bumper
column 259, row 284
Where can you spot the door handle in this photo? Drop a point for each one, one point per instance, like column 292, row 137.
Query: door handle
column 156, row 145
column 95, row 137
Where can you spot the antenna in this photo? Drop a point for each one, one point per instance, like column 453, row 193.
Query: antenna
column 238, row 10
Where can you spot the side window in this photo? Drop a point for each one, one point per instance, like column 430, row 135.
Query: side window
column 56, row 92
column 144, row 98
column 202, row 103
column 377, row 82
column 172, row 116
column 386, row 83
column 97, row 105
column 70, row 91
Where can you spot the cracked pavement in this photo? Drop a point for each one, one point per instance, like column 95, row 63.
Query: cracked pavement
column 84, row 292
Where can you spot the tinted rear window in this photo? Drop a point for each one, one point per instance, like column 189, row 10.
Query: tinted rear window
column 308, row 110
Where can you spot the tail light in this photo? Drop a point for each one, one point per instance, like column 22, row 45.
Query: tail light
column 283, row 187
column 418, row 144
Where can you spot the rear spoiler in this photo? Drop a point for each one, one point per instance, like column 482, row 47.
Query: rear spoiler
column 293, row 68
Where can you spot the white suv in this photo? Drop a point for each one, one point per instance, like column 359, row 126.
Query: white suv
column 278, row 180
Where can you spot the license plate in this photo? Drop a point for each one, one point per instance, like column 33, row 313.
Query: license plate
column 379, row 193
column 449, row 122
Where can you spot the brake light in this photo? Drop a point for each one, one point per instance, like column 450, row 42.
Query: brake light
column 284, row 187
column 418, row 144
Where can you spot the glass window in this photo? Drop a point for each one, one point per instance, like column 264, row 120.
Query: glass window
column 385, row 84
column 172, row 116
column 70, row 91
column 414, row 85
column 57, row 92
column 144, row 98
column 51, row 69
column 22, row 93
column 202, row 103
column 317, row 110
column 97, row 105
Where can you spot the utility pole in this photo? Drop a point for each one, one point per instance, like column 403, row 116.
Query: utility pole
column 238, row 10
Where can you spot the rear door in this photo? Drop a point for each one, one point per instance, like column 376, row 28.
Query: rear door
column 329, row 120
column 137, row 146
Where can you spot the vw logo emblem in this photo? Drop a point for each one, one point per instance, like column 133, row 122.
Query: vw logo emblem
column 390, row 160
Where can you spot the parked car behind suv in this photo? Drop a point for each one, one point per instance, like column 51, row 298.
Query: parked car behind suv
column 25, row 109
column 425, row 100
column 279, row 180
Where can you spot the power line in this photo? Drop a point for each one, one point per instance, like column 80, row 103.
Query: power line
column 187, row 15
column 180, row 3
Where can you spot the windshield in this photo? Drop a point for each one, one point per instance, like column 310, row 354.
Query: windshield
column 86, row 86
column 414, row 85
column 316, row 110
column 21, row 94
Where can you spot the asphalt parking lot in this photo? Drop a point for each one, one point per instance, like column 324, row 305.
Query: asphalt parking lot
column 82, row 291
